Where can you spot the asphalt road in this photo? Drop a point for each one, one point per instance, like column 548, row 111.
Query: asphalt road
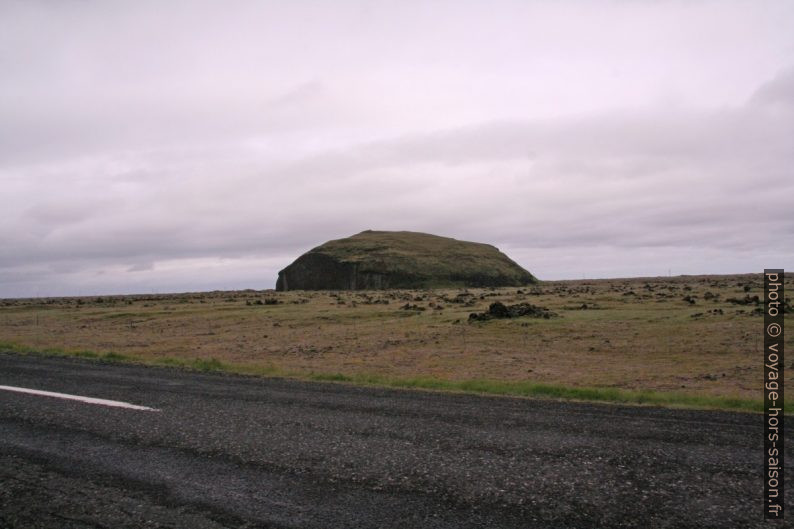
column 232, row 451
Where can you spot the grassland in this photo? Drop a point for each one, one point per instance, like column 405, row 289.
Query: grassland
column 692, row 340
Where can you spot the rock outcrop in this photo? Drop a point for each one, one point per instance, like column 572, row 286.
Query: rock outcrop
column 401, row 259
column 499, row 310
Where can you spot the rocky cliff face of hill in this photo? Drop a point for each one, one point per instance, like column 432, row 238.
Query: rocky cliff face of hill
column 401, row 259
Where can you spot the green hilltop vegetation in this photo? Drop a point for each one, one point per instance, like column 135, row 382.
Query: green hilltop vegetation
column 401, row 259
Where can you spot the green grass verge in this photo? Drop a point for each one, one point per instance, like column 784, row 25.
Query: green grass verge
column 11, row 347
column 480, row 386
column 554, row 391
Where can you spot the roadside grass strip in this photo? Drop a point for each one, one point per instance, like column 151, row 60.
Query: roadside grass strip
column 520, row 388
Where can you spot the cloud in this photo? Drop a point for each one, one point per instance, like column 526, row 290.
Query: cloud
column 141, row 267
column 624, row 181
column 778, row 91
column 138, row 153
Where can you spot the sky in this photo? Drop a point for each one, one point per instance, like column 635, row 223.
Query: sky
column 154, row 146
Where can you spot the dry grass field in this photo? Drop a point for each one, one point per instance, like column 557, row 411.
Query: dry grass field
column 692, row 335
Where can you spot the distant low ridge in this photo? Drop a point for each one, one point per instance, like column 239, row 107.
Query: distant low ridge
column 401, row 259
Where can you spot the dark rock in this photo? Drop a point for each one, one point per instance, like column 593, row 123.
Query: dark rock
column 746, row 300
column 499, row 310
column 381, row 260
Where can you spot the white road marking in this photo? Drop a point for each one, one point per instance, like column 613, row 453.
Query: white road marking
column 87, row 400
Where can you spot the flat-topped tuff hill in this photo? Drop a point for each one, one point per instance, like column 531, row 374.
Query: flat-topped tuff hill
column 401, row 259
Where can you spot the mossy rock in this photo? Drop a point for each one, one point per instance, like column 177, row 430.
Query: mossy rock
column 401, row 259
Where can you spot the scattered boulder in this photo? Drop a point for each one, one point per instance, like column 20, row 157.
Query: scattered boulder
column 499, row 310
column 747, row 300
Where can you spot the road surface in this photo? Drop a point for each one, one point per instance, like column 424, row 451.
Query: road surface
column 219, row 450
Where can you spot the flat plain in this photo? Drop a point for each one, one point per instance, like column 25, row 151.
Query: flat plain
column 697, row 337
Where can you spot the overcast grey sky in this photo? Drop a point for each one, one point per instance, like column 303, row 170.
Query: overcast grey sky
column 172, row 146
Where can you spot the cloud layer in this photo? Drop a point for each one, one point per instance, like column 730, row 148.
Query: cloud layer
column 204, row 146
